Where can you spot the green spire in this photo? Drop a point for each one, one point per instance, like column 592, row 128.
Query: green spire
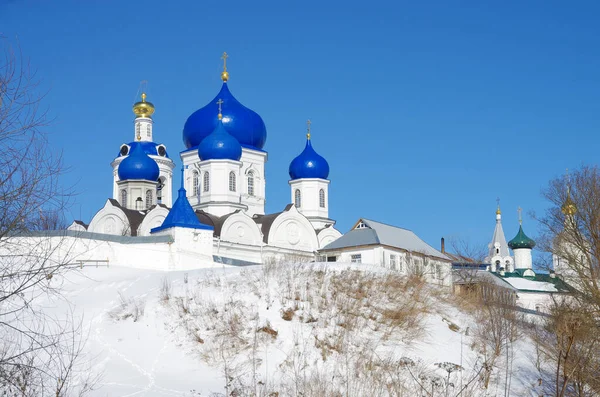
column 521, row 240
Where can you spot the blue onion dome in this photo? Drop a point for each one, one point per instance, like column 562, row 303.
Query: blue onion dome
column 521, row 241
column 138, row 166
column 244, row 124
column 309, row 164
column 220, row 145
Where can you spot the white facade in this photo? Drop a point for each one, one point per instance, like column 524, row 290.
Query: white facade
column 311, row 197
column 137, row 194
column 219, row 186
column 433, row 270
column 250, row 183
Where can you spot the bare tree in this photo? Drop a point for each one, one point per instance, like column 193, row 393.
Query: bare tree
column 38, row 353
column 572, row 231
column 571, row 226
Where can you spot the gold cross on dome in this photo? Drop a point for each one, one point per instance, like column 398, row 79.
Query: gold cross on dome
column 224, row 58
column 220, row 102
column 308, row 123
column 520, row 210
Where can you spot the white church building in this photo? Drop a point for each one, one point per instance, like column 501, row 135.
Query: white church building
column 512, row 273
column 219, row 214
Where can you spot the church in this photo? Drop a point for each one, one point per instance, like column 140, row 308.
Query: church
column 221, row 200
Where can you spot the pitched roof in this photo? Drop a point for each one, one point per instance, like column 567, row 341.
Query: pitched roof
column 498, row 238
column 375, row 233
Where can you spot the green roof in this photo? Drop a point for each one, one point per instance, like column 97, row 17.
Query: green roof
column 559, row 284
column 521, row 241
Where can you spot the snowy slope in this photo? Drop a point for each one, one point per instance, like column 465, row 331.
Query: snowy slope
column 180, row 346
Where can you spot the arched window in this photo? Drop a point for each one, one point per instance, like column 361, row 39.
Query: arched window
column 124, row 198
column 148, row 199
column 195, row 183
column 159, row 188
column 297, row 198
column 322, row 198
column 251, row 183
column 232, row 181
column 206, row 181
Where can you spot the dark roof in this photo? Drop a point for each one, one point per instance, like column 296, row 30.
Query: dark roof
column 266, row 221
column 211, row 220
column 81, row 223
column 134, row 217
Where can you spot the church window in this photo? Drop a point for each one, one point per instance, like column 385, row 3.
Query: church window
column 124, row 198
column 206, row 181
column 251, row 183
column 232, row 181
column 393, row 262
column 297, row 198
column 148, row 130
column 322, row 198
column 497, row 250
column 148, row 199
column 195, row 182
column 159, row 188
column 137, row 131
column 356, row 258
column 361, row 225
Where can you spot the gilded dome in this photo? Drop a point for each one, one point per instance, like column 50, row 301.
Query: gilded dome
column 143, row 108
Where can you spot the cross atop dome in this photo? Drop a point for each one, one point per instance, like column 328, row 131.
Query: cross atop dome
column 225, row 73
column 220, row 102
column 308, row 123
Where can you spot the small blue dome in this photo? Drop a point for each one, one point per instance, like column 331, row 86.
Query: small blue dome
column 242, row 123
column 219, row 145
column 138, row 166
column 309, row 164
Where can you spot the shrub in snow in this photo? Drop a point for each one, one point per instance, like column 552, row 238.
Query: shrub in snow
column 128, row 308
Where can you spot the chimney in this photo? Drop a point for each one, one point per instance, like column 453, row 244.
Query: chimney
column 443, row 246
column 502, row 272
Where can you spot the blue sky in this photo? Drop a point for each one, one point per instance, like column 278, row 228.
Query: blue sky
column 426, row 111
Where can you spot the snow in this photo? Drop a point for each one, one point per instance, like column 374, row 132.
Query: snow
column 523, row 283
column 157, row 355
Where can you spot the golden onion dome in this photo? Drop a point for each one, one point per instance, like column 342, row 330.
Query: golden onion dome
column 498, row 212
column 569, row 207
column 143, row 108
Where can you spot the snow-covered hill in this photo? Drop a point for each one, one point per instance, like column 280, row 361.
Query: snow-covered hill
column 279, row 330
